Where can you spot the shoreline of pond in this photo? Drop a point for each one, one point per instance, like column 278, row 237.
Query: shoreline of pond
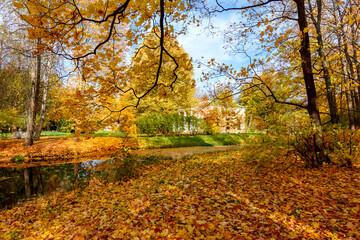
column 19, row 161
column 25, row 182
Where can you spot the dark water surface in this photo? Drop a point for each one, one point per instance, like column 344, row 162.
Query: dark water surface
column 18, row 184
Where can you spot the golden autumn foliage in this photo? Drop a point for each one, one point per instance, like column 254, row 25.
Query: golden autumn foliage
column 97, row 36
column 176, row 84
column 87, row 110
column 212, row 196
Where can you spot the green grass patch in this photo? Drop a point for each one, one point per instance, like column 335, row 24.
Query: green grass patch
column 147, row 142
column 191, row 141
column 109, row 134
column 5, row 135
column 97, row 134
column 54, row 134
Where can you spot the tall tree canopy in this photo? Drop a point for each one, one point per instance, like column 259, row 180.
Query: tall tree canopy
column 170, row 94
column 79, row 29
column 282, row 31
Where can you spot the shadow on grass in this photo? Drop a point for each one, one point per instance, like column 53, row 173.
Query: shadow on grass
column 191, row 141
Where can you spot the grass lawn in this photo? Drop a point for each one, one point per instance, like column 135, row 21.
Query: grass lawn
column 147, row 142
column 185, row 140
column 97, row 134
column 190, row 141
column 55, row 134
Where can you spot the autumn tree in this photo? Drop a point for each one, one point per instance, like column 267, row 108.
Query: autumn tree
column 14, row 72
column 64, row 27
column 29, row 58
column 92, row 96
column 170, row 95
column 210, row 114
column 345, row 54
column 267, row 114
column 138, row 18
column 316, row 16
column 223, row 99
column 268, row 18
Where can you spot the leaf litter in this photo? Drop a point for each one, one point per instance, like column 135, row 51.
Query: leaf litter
column 210, row 196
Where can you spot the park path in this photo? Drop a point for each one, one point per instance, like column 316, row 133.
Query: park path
column 177, row 153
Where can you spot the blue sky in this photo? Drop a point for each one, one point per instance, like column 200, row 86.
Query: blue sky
column 203, row 46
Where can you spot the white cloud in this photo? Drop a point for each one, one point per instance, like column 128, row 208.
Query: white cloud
column 203, row 45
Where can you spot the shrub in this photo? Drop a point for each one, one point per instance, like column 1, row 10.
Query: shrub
column 343, row 145
column 165, row 124
column 9, row 118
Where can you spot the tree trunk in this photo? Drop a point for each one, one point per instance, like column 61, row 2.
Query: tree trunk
column 27, row 182
column 354, row 40
column 323, row 59
column 35, row 85
column 357, row 76
column 31, row 107
column 76, row 172
column 348, row 101
column 358, row 95
column 35, row 82
column 342, row 45
column 350, row 68
column 39, row 185
column 77, row 132
column 313, row 108
column 1, row 51
column 44, row 99
column 355, row 102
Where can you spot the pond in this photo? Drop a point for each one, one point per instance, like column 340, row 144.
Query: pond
column 19, row 184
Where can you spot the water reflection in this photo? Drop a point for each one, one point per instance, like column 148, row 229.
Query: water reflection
column 18, row 184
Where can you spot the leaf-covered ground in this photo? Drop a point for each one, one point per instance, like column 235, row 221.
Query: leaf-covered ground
column 13, row 153
column 212, row 196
